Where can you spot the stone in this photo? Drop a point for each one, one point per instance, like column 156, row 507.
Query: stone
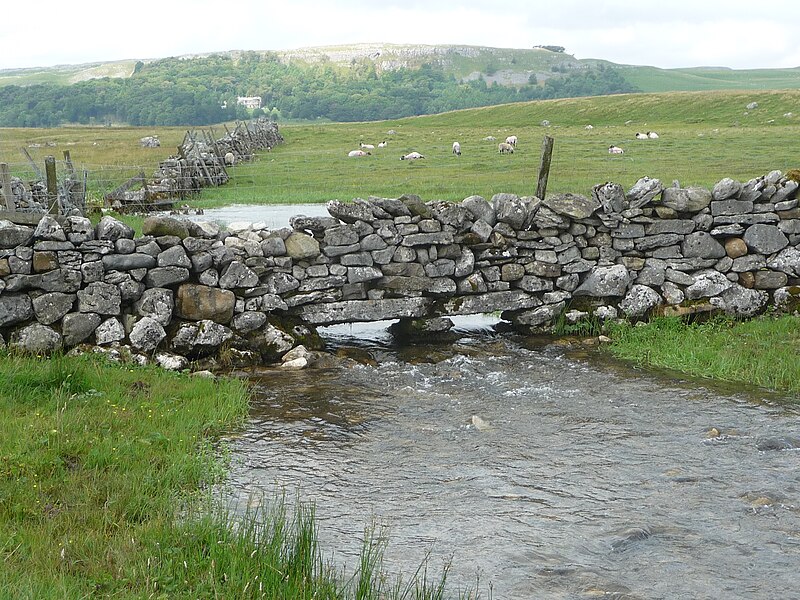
column 49, row 229
column 50, row 307
column 15, row 308
column 127, row 262
column 511, row 209
column 707, row 284
column 109, row 331
column 350, row 213
column 12, row 235
column 691, row 199
column 537, row 317
column 174, row 257
column 765, row 239
column 726, row 188
column 79, row 229
column 160, row 225
column 171, row 362
column 605, row 281
column 36, row 339
column 248, row 321
column 77, row 327
column 165, row 276
column 201, row 303
column 787, row 261
column 610, row 196
column 735, row 247
column 575, row 206
column 643, row 192
column 200, row 338
column 701, row 245
column 738, row 301
column 156, row 303
column 300, row 245
column 639, row 300
column 147, row 334
column 112, row 229
column 480, row 209
column 101, row 298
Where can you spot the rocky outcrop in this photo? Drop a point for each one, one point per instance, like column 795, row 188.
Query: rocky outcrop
column 188, row 289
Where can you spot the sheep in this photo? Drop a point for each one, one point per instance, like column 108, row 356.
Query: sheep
column 358, row 153
column 364, row 146
column 456, row 148
column 230, row 159
column 652, row 135
column 383, row 144
column 512, row 140
column 412, row 156
column 505, row 147
column 615, row 150
column 641, row 136
column 589, row 127
column 489, row 138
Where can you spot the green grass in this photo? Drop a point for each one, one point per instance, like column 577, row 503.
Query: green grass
column 652, row 79
column 105, row 475
column 705, row 136
column 762, row 352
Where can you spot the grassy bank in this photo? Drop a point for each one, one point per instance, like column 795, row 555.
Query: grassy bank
column 763, row 352
column 104, row 478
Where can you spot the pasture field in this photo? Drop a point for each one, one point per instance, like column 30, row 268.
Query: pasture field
column 703, row 137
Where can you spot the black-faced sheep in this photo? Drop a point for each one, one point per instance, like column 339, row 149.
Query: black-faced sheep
column 512, row 139
column 505, row 148
column 615, row 150
column 456, row 148
column 412, row 156
column 358, row 153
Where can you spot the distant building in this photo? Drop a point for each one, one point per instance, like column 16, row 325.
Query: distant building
column 249, row 101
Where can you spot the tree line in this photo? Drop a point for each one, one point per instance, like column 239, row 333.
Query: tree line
column 203, row 91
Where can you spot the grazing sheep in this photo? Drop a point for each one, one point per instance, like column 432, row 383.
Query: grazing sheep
column 230, row 159
column 364, row 146
column 505, row 147
column 589, row 127
column 358, row 153
column 652, row 135
column 641, row 136
column 615, row 150
column 456, row 148
column 383, row 144
column 412, row 156
column 512, row 139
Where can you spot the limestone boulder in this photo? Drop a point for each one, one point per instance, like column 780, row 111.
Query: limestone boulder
column 36, row 339
column 15, row 308
column 199, row 303
column 605, row 281
column 156, row 303
column 147, row 334
column 160, row 225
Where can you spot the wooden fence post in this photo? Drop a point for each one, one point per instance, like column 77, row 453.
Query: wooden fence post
column 5, row 175
column 544, row 167
column 52, row 184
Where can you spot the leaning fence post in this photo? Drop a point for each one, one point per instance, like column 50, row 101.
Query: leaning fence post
column 5, row 175
column 544, row 166
column 52, row 184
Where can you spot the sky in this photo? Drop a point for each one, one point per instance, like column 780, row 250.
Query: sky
column 661, row 33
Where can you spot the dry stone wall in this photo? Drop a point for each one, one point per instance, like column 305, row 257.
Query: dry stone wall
column 187, row 290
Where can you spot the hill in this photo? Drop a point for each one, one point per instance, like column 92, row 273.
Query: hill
column 505, row 66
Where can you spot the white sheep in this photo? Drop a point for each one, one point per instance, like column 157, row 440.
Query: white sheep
column 505, row 147
column 615, row 150
column 456, row 148
column 652, row 135
column 230, row 158
column 383, row 144
column 367, row 146
column 358, row 153
column 641, row 136
column 512, row 139
column 412, row 156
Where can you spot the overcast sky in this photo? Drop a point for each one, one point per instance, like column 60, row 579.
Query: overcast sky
column 661, row 33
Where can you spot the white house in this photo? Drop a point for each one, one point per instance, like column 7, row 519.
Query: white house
column 249, row 101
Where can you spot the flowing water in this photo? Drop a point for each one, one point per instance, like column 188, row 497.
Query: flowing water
column 535, row 471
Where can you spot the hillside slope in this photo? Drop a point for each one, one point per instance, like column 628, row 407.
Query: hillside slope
column 506, row 66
